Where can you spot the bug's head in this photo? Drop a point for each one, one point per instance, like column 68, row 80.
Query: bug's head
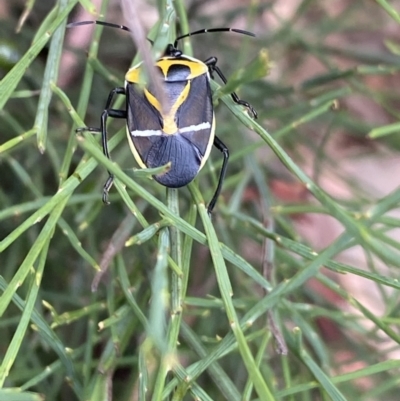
column 172, row 51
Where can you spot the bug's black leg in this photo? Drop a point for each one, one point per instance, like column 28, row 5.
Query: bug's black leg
column 220, row 146
column 103, row 124
column 212, row 67
column 108, row 112
column 116, row 91
column 115, row 114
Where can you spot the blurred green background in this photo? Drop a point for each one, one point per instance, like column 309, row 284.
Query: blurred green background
column 289, row 292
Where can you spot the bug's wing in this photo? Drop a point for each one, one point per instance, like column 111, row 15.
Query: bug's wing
column 189, row 148
column 184, row 158
column 196, row 115
column 144, row 123
column 153, row 148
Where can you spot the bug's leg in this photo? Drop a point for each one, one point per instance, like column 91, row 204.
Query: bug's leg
column 108, row 112
column 115, row 114
column 225, row 152
column 212, row 67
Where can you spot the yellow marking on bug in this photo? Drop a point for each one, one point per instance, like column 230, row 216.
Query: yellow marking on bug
column 152, row 100
column 169, row 124
column 169, row 120
column 134, row 150
column 135, row 75
column 196, row 67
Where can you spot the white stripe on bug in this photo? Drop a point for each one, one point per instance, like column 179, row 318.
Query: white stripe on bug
column 150, row 132
column 197, row 127
column 147, row 132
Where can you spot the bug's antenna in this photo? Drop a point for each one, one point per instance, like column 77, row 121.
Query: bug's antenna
column 201, row 31
column 109, row 24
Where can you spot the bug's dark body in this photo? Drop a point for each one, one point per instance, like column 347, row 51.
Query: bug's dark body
column 180, row 129
column 182, row 134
